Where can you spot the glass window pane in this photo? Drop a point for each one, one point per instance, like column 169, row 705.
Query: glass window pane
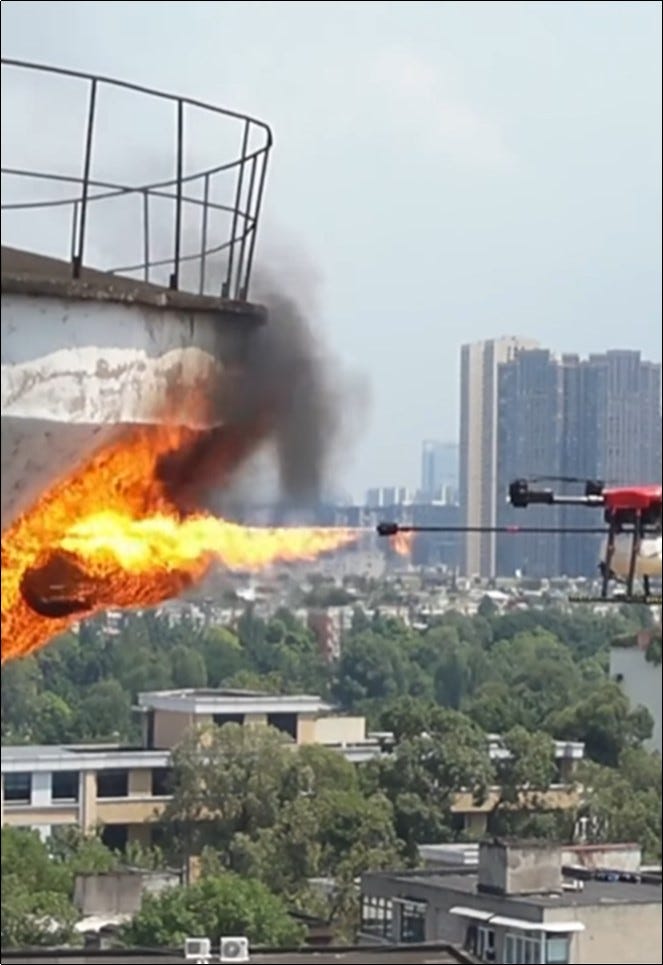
column 557, row 950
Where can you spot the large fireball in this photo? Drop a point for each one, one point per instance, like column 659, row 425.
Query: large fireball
column 113, row 535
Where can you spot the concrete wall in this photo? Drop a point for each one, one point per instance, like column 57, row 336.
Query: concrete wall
column 339, row 730
column 617, row 857
column 626, row 933
column 73, row 369
column 118, row 893
column 519, row 869
column 170, row 726
column 109, row 894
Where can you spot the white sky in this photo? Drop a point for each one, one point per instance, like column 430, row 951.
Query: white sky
column 451, row 171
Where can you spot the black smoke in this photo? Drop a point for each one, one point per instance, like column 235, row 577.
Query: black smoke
column 289, row 401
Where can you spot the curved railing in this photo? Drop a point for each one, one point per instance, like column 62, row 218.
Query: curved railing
column 192, row 230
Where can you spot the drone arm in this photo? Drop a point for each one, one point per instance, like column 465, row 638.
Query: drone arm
column 521, row 496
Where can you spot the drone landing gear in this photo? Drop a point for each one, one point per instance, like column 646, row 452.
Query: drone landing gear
column 607, row 574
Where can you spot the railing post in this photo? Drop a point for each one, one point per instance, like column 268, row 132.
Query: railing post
column 77, row 262
column 203, row 240
column 175, row 277
column 228, row 286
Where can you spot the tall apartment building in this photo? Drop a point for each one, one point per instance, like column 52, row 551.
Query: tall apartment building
column 527, row 412
column 478, row 446
column 530, row 432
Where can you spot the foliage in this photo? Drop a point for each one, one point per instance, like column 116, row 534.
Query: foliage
column 624, row 803
column 279, row 815
column 38, row 881
column 224, row 904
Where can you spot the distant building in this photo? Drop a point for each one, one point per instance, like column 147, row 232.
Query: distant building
column 519, row 905
column 530, row 404
column 478, row 446
column 124, row 789
column 526, row 412
column 439, row 470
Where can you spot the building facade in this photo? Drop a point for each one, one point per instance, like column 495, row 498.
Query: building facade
column 520, row 906
column 478, row 495
column 123, row 790
column 637, row 670
column 525, row 413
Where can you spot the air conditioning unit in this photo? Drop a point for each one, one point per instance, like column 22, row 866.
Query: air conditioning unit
column 234, row 949
column 198, row 950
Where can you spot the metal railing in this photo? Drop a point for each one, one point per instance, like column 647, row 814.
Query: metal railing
column 210, row 241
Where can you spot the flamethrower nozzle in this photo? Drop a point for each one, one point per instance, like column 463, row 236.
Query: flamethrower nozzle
column 387, row 529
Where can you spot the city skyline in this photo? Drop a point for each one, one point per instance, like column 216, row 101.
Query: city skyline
column 440, row 172
column 611, row 476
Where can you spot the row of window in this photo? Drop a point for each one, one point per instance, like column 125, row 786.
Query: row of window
column 519, row 948
column 65, row 785
column 377, row 918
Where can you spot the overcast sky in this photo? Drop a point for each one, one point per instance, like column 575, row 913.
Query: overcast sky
column 449, row 172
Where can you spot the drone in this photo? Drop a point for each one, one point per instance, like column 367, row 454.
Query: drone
column 631, row 552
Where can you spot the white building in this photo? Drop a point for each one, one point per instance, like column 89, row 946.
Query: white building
column 640, row 678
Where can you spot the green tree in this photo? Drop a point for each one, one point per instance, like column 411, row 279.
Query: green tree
column 604, row 720
column 624, row 803
column 226, row 904
column 36, row 892
column 424, row 773
column 229, row 780
column 189, row 668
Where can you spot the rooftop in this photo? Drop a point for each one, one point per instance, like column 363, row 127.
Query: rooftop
column 27, row 273
column 70, row 757
column 430, row 954
column 593, row 892
column 205, row 701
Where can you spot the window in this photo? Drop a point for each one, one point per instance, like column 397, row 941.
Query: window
column 162, row 781
column 376, row 916
column 18, row 788
column 113, row 783
column 557, row 949
column 221, row 719
column 529, row 949
column 413, row 922
column 115, row 836
column 486, row 943
column 286, row 723
column 64, row 786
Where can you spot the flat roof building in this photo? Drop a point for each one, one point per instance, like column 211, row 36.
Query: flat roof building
column 520, row 905
column 124, row 789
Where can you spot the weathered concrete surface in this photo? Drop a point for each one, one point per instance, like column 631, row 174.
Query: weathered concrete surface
column 76, row 367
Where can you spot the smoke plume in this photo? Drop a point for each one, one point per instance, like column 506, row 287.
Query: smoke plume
column 289, row 400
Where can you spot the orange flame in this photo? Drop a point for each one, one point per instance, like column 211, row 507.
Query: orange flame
column 402, row 543
column 110, row 535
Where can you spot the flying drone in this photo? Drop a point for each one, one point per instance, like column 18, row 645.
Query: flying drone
column 631, row 552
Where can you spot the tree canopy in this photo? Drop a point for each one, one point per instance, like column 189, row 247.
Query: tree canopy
column 275, row 816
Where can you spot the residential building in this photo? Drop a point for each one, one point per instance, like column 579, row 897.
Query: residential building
column 635, row 663
column 611, row 431
column 479, row 364
column 526, row 412
column 521, row 904
column 529, row 437
column 124, row 789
